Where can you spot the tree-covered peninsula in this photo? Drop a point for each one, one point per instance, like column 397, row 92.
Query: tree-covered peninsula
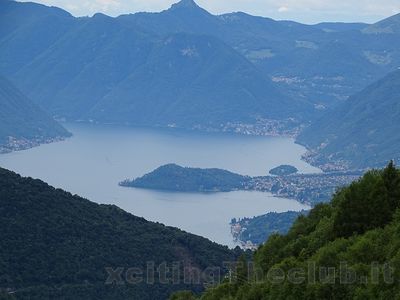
column 172, row 177
column 283, row 170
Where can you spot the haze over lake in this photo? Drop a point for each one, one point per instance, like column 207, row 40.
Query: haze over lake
column 96, row 158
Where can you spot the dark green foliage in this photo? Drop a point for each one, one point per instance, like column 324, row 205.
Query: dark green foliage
column 283, row 170
column 22, row 120
column 391, row 180
column 360, row 240
column 6, row 296
column 176, row 178
column 369, row 203
column 56, row 246
column 183, row 295
column 365, row 205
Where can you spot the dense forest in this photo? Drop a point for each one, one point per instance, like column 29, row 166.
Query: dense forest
column 176, row 178
column 55, row 245
column 346, row 249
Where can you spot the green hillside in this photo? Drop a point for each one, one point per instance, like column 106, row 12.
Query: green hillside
column 348, row 249
column 55, row 245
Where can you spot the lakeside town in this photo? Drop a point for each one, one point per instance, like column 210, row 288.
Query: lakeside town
column 19, row 144
column 266, row 127
column 261, row 127
column 309, row 189
column 289, row 128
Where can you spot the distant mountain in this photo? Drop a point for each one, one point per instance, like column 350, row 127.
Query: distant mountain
column 22, row 123
column 176, row 178
column 339, row 26
column 189, row 80
column 348, row 60
column 114, row 70
column 27, row 30
column 363, row 132
column 59, row 246
column 388, row 26
column 185, row 66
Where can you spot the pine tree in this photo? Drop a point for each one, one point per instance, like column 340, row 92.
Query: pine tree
column 391, row 177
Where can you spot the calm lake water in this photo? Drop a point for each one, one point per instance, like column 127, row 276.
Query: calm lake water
column 96, row 158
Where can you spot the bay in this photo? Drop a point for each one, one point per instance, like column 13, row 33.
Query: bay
column 97, row 157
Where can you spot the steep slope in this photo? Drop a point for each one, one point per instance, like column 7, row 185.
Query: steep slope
column 190, row 80
column 114, row 70
column 84, row 65
column 348, row 59
column 23, row 124
column 28, row 29
column 70, row 65
column 390, row 25
column 58, row 246
column 348, row 249
column 363, row 132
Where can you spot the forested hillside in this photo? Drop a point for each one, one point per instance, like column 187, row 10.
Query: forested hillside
column 176, row 178
column 55, row 245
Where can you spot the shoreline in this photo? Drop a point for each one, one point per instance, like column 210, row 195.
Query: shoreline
column 16, row 145
column 288, row 128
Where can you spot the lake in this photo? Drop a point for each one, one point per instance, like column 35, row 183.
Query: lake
column 97, row 157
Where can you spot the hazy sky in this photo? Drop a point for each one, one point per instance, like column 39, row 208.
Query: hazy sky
column 306, row 11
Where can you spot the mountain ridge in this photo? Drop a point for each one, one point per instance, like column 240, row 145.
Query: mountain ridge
column 362, row 132
column 23, row 124
column 78, row 67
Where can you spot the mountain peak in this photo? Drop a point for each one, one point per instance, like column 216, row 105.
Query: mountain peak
column 184, row 4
